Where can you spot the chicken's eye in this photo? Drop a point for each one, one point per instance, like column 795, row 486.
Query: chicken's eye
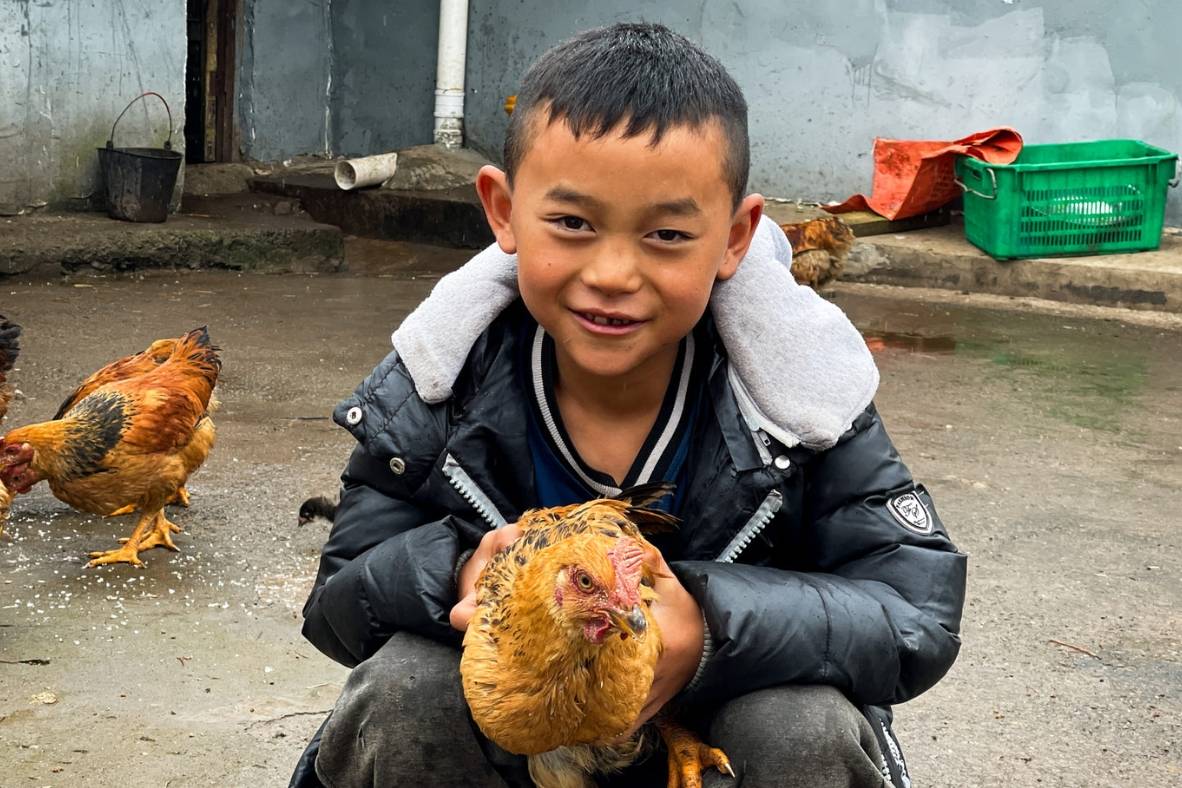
column 583, row 580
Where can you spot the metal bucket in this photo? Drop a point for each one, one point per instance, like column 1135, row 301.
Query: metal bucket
column 139, row 181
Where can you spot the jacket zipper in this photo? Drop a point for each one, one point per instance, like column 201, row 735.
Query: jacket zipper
column 757, row 522
column 471, row 492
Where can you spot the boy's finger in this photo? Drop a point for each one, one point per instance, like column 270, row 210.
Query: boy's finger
column 462, row 613
column 505, row 537
column 655, row 562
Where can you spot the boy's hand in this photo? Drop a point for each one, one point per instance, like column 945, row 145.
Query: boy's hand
column 491, row 543
column 682, row 637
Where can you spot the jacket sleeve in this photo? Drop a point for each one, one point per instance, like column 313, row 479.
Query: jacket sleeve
column 387, row 566
column 879, row 617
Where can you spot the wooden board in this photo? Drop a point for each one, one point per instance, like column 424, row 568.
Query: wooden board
column 863, row 223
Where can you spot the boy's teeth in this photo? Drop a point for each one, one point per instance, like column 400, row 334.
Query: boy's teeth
column 607, row 321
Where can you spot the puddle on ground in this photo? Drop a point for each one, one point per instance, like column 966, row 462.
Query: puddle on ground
column 1085, row 373
column 1075, row 385
column 879, row 341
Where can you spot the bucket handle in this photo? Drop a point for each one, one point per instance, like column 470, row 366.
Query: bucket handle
column 982, row 195
column 1177, row 174
column 167, row 142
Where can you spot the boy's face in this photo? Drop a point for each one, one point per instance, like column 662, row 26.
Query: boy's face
column 613, row 230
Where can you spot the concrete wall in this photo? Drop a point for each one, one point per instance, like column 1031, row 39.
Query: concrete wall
column 384, row 74
column 285, row 57
column 336, row 76
column 823, row 79
column 67, row 68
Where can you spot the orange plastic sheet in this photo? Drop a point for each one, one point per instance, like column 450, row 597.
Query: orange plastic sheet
column 913, row 177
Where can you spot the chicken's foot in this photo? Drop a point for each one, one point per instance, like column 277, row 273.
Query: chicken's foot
column 172, row 528
column 129, row 552
column 689, row 755
column 161, row 535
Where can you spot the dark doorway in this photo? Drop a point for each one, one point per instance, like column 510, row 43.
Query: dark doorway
column 209, row 80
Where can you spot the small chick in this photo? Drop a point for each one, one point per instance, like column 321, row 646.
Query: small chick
column 320, row 506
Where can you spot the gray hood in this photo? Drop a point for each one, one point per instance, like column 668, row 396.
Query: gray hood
column 799, row 369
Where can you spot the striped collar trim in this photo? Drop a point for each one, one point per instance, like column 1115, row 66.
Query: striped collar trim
column 658, row 448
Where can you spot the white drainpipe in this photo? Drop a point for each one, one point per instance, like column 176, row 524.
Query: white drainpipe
column 449, row 73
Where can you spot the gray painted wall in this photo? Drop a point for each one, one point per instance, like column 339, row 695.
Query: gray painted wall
column 333, row 77
column 384, row 74
column 824, row 78
column 67, row 68
column 284, row 63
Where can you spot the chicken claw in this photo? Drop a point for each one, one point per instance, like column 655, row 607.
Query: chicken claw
column 689, row 756
column 161, row 535
column 129, row 553
column 124, row 555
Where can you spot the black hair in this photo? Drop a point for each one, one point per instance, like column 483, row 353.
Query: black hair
column 641, row 73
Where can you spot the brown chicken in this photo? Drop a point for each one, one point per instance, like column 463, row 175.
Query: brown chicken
column 560, row 653
column 819, row 249
column 9, row 349
column 122, row 369
column 128, row 445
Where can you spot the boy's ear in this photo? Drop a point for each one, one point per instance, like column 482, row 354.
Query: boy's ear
column 743, row 226
column 497, row 198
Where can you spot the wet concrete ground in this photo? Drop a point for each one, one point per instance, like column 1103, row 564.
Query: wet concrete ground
column 1052, row 445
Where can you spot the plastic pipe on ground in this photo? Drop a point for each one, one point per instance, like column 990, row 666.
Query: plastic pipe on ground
column 368, row 171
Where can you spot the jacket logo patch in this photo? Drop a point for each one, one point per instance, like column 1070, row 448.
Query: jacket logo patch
column 909, row 510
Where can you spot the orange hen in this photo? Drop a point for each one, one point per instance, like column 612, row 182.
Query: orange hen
column 560, row 653
column 819, row 249
column 129, row 367
column 128, row 444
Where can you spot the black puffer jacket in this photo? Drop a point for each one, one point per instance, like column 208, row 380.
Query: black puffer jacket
column 826, row 567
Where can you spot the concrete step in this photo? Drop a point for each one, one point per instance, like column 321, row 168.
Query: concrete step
column 941, row 257
column 451, row 217
column 241, row 232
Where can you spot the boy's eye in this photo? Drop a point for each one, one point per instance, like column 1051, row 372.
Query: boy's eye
column 573, row 223
column 670, row 236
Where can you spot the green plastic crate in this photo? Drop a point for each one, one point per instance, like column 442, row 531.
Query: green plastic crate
column 1069, row 199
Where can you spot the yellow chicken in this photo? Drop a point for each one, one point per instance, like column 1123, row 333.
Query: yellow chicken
column 560, row 653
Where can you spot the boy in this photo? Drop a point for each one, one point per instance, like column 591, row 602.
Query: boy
column 811, row 581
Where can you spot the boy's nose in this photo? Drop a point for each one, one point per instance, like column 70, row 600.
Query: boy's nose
column 612, row 271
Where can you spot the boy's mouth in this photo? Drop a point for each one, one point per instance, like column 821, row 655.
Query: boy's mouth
column 606, row 323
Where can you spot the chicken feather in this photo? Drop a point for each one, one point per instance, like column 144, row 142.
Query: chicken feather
column 121, row 369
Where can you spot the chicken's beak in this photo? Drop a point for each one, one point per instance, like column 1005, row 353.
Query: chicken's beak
column 15, row 470
column 631, row 622
column 303, row 520
column 14, row 456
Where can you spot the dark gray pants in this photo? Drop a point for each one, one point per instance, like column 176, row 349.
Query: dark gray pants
column 402, row 720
